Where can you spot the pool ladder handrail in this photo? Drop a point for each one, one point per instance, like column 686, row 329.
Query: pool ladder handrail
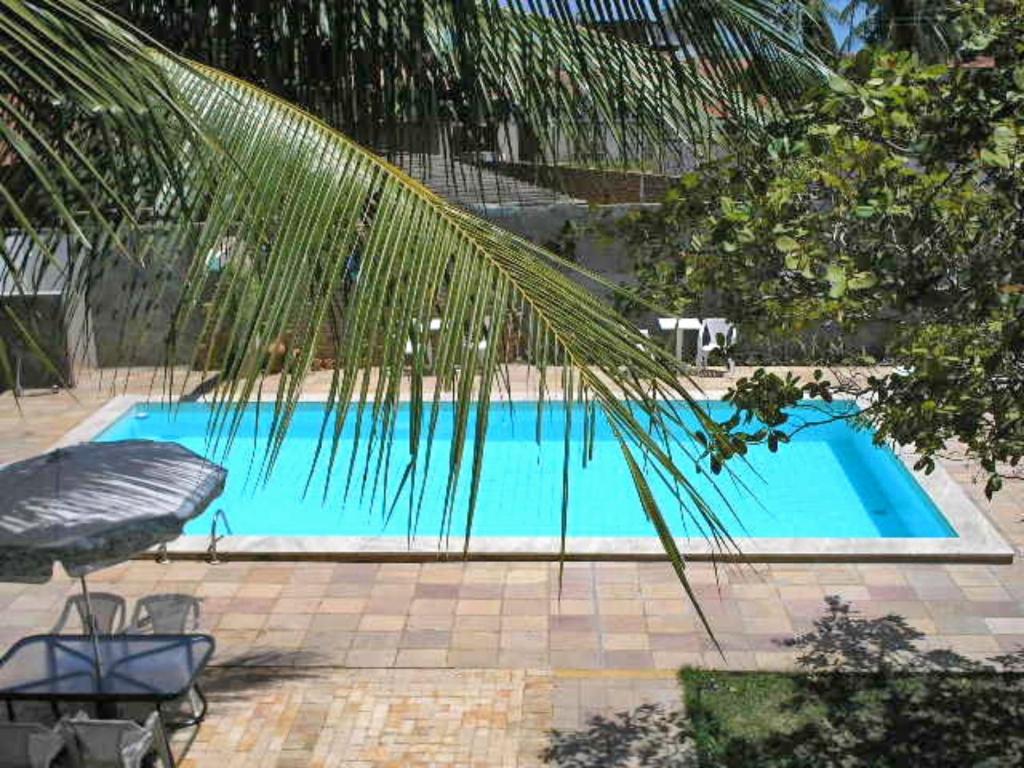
column 211, row 551
column 161, row 554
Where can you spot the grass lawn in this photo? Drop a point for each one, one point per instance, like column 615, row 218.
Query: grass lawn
column 901, row 718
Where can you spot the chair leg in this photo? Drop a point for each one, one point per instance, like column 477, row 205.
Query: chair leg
column 197, row 704
column 197, row 700
column 162, row 741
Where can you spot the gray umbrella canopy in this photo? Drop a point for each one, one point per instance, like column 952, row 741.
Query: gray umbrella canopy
column 96, row 504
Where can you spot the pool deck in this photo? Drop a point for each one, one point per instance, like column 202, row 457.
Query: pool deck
column 451, row 663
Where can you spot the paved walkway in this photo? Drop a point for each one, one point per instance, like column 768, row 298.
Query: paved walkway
column 360, row 664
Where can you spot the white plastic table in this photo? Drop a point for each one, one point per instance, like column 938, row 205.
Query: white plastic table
column 679, row 325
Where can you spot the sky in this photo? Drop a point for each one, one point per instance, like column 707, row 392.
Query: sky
column 842, row 30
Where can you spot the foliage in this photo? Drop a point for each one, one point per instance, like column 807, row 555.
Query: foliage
column 892, row 201
column 393, row 73
column 866, row 694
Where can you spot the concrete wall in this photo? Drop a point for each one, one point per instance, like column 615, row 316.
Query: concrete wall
column 543, row 224
column 131, row 308
column 43, row 321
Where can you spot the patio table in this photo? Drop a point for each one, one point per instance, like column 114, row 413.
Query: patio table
column 132, row 668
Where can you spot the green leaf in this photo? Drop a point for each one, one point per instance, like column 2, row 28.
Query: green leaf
column 840, row 84
column 861, row 281
column 995, row 157
column 836, row 277
column 786, row 244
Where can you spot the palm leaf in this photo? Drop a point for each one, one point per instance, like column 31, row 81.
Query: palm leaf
column 163, row 162
column 574, row 76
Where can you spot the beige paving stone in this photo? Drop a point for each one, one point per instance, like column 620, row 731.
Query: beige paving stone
column 567, row 641
column 519, row 623
column 289, row 621
column 478, row 607
column 422, row 657
column 432, row 607
column 571, row 608
column 242, row 621
column 474, row 640
column 342, row 605
column 297, row 605
column 515, row 607
column 625, row 642
column 987, row 593
column 380, row 623
column 1006, row 626
column 672, row 623
column 443, row 621
column 621, row 607
column 362, row 657
column 477, row 623
column 348, row 718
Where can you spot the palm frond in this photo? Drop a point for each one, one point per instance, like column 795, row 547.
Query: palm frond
column 581, row 79
column 165, row 163
column 321, row 204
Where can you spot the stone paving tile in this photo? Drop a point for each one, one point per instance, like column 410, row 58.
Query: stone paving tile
column 610, row 633
column 602, row 719
column 346, row 718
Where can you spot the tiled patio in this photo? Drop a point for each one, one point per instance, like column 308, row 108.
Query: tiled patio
column 450, row 663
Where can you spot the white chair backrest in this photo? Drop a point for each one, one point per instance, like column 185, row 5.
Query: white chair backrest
column 713, row 327
column 167, row 614
column 108, row 613
column 28, row 745
column 108, row 743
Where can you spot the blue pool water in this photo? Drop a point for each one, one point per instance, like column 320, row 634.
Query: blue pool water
column 830, row 481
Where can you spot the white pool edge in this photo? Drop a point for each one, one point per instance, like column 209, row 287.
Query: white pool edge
column 977, row 541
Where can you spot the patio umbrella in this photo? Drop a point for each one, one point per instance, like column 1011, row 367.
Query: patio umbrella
column 92, row 505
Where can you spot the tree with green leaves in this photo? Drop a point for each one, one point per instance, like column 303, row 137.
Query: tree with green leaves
column 889, row 208
column 133, row 156
column 922, row 26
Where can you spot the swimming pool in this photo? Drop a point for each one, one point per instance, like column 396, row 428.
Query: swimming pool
column 830, row 482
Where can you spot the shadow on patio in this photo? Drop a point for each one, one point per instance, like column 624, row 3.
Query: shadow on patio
column 867, row 692
column 648, row 735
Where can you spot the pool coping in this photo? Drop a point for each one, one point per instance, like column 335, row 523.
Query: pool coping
column 978, row 540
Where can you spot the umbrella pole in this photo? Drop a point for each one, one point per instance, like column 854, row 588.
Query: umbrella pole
column 91, row 621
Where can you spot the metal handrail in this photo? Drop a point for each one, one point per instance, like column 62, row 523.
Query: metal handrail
column 211, row 551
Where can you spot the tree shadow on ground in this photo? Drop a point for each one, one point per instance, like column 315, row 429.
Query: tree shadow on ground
column 867, row 694
column 245, row 672
column 650, row 735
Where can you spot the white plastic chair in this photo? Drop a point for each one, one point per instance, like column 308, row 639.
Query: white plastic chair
column 115, row 743
column 481, row 343
column 680, row 325
column 716, row 333
column 108, row 613
column 433, row 327
column 170, row 614
column 29, row 745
